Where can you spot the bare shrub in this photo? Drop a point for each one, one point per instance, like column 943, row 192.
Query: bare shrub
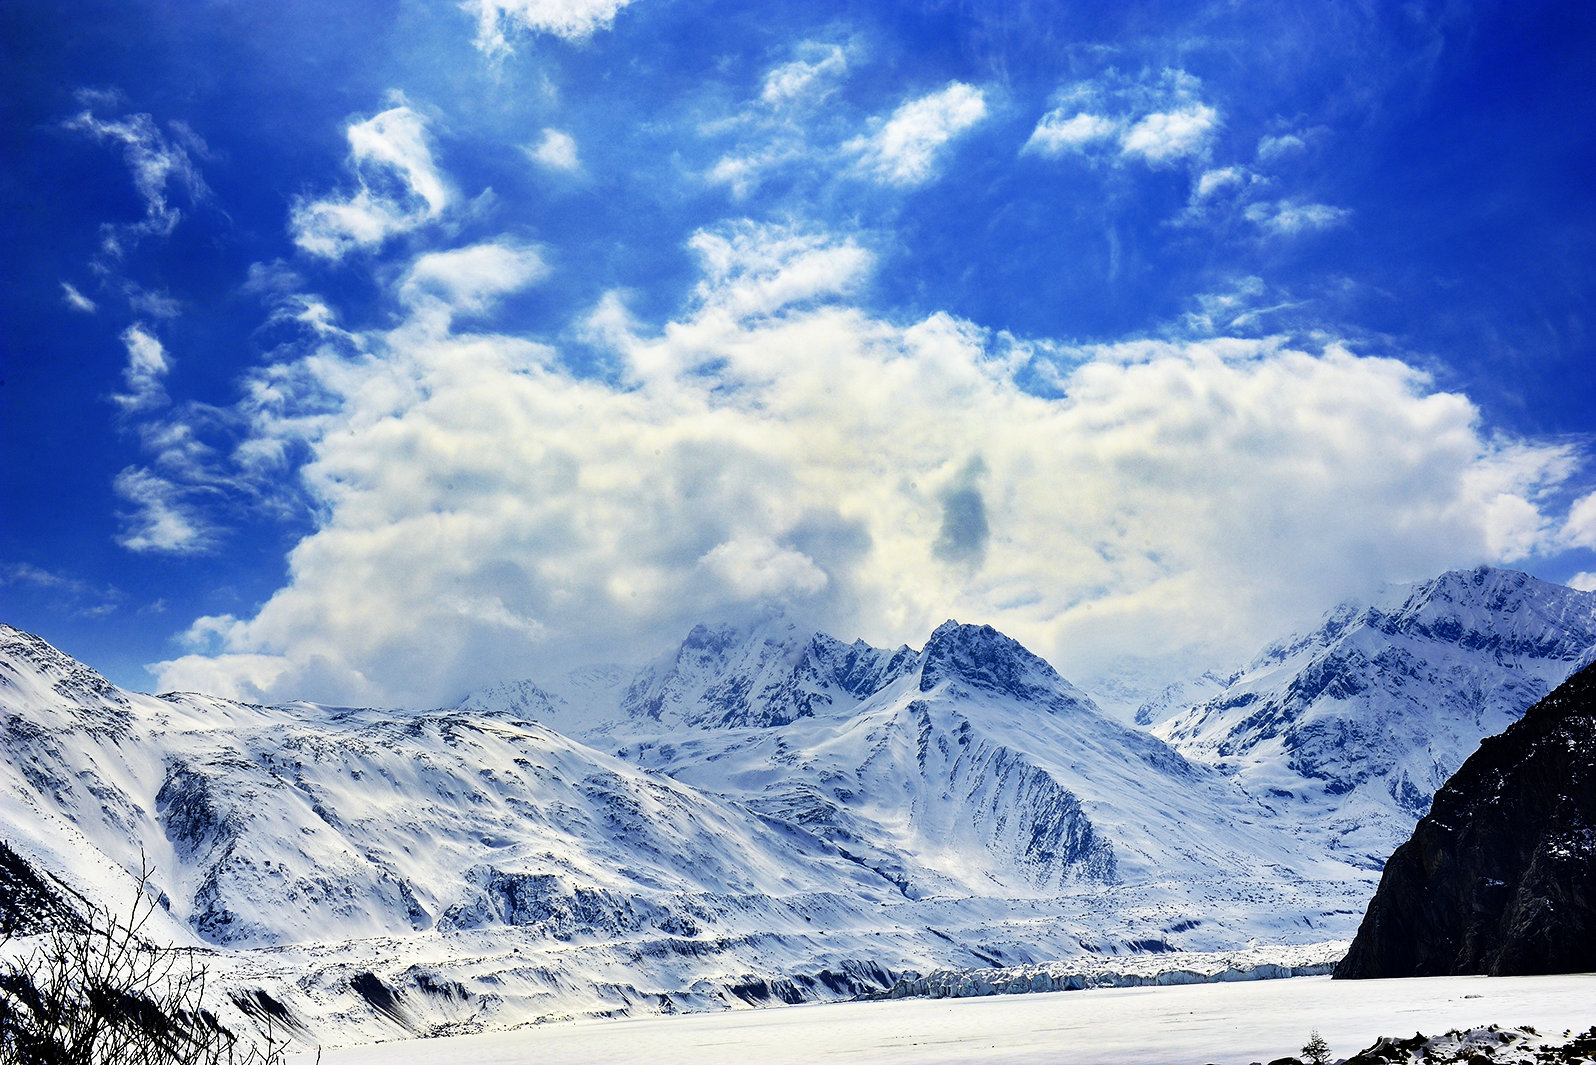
column 96, row 991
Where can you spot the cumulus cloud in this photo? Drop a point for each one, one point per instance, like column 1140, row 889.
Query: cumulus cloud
column 1289, row 218
column 1585, row 582
column 555, row 151
column 400, row 188
column 778, row 442
column 905, row 149
column 1168, row 135
column 1059, row 132
column 469, row 279
column 758, row 569
column 1580, row 528
column 1271, row 149
column 751, row 269
column 571, row 19
column 1158, row 120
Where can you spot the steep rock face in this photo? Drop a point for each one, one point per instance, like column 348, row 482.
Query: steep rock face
column 1347, row 731
column 1500, row 877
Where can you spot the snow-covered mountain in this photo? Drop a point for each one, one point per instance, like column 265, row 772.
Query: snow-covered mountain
column 973, row 768
column 766, row 813
column 765, row 674
column 1347, row 731
column 889, row 813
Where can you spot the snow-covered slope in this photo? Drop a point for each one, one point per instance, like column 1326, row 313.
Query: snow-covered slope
column 1347, row 731
column 766, row 814
column 971, row 768
column 387, row 872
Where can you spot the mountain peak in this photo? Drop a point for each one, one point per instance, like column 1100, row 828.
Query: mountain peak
column 1501, row 611
column 983, row 657
column 26, row 659
column 767, row 672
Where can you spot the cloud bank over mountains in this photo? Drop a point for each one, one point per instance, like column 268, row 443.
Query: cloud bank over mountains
column 780, row 442
column 549, row 328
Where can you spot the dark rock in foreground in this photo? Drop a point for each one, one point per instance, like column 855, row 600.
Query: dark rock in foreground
column 1500, row 878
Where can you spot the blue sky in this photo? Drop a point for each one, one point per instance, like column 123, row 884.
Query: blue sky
column 380, row 352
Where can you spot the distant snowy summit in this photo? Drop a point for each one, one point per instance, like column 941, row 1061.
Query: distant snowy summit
column 1347, row 731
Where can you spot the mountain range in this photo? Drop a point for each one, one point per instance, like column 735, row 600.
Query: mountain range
column 766, row 813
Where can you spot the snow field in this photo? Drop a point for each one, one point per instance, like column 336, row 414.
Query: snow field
column 1226, row 1024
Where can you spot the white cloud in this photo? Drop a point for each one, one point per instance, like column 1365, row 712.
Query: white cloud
column 1165, row 136
column 752, row 270
column 401, row 188
column 1058, row 132
column 1273, row 148
column 85, row 599
column 758, row 569
column 1214, row 181
column 905, row 149
column 162, row 520
column 145, row 373
column 158, row 166
column 571, row 19
column 556, row 151
column 469, row 279
column 1580, row 528
column 1158, row 120
column 805, row 79
column 1289, row 218
column 880, row 476
column 1585, row 582
column 77, row 300
column 784, row 128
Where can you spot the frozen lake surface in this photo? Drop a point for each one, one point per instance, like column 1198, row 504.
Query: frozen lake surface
column 1185, row 1025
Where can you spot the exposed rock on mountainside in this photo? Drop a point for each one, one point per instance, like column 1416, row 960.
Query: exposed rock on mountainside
column 31, row 901
column 1500, row 877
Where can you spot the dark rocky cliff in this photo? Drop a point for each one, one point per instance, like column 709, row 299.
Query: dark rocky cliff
column 1500, row 878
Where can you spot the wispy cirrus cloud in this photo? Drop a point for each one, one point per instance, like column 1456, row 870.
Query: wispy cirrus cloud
column 161, row 516
column 158, row 160
column 77, row 300
column 85, row 599
column 145, row 372
column 784, row 130
column 807, row 79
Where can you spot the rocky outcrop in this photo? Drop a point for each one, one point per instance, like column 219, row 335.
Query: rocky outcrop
column 1500, row 877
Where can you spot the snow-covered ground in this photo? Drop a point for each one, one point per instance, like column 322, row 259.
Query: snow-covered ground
column 1220, row 1023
